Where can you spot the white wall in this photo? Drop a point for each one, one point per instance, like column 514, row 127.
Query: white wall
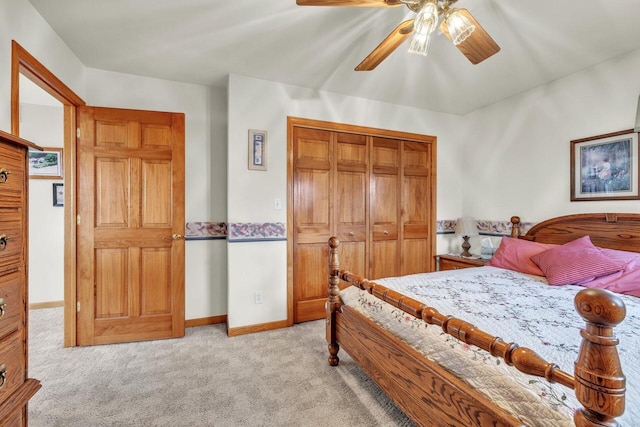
column 43, row 125
column 517, row 151
column 264, row 105
column 19, row 21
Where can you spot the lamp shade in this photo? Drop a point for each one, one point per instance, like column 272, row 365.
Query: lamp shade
column 466, row 226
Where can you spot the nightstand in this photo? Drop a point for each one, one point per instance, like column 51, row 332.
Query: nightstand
column 453, row 262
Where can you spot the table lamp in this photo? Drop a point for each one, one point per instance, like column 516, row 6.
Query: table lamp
column 466, row 227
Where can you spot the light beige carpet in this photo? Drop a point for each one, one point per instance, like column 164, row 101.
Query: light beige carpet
column 276, row 378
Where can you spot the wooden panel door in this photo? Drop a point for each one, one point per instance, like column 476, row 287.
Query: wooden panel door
column 385, row 196
column 352, row 201
column 312, row 187
column 416, row 208
column 130, row 225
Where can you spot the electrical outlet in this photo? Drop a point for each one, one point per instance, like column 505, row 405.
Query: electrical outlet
column 257, row 297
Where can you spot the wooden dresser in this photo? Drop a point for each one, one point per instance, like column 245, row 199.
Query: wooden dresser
column 15, row 387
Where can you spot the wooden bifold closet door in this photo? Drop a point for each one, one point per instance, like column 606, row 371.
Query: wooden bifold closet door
column 375, row 193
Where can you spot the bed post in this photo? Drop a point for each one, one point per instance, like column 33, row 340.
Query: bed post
column 333, row 302
column 515, row 227
column 599, row 381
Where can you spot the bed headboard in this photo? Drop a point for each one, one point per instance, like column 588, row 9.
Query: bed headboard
column 607, row 230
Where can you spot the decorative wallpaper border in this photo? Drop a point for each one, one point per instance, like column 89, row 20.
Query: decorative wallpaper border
column 205, row 230
column 485, row 227
column 270, row 231
column 256, row 231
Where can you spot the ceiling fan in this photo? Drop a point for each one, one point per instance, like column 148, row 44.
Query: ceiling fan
column 457, row 24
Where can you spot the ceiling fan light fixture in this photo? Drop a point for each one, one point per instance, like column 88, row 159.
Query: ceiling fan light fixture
column 459, row 26
column 425, row 23
column 420, row 44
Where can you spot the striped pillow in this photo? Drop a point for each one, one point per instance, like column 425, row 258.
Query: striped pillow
column 575, row 262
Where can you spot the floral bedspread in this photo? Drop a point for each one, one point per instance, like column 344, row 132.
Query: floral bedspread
column 518, row 308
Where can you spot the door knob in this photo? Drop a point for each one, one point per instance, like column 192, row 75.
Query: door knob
column 174, row 236
column 4, row 175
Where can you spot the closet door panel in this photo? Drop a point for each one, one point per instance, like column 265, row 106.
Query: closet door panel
column 415, row 257
column 385, row 193
column 310, row 259
column 416, row 208
column 383, row 254
column 351, row 199
column 312, row 189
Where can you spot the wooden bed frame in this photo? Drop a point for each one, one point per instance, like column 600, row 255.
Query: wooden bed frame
column 430, row 395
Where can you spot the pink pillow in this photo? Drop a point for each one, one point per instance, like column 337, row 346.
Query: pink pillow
column 515, row 254
column 575, row 262
column 626, row 281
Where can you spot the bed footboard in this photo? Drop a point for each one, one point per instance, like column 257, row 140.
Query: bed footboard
column 599, row 383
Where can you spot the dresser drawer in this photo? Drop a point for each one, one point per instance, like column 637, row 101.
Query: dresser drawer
column 12, row 365
column 448, row 262
column 12, row 175
column 11, row 303
column 11, row 237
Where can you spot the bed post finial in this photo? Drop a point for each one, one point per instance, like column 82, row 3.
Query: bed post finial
column 515, row 227
column 333, row 303
column 599, row 381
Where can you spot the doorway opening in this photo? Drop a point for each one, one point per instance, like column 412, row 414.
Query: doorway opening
column 26, row 65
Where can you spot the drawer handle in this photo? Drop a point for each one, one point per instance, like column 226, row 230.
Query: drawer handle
column 3, row 242
column 3, row 305
column 385, row 232
column 351, row 233
column 4, row 175
column 3, row 374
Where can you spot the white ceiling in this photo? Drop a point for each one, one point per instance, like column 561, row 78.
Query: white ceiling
column 202, row 41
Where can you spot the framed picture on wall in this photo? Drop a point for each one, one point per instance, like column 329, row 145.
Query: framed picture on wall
column 605, row 167
column 46, row 164
column 257, row 150
column 58, row 194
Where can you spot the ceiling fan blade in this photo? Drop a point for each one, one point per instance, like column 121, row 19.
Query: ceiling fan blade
column 388, row 45
column 352, row 3
column 479, row 45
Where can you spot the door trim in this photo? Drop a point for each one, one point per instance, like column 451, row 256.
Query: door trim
column 22, row 62
column 293, row 122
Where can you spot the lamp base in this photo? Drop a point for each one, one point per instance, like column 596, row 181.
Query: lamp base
column 465, row 247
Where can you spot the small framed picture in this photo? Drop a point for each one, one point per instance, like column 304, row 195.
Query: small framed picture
column 46, row 164
column 257, row 150
column 58, row 194
column 605, row 167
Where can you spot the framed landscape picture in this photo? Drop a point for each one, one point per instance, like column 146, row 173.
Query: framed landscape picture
column 605, row 167
column 46, row 164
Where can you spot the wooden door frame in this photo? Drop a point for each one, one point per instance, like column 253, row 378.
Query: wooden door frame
column 22, row 62
column 344, row 128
